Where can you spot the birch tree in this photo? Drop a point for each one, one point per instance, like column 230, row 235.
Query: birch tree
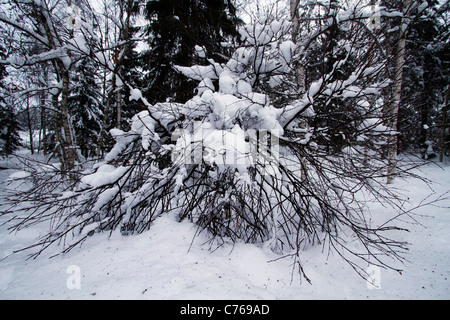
column 396, row 92
column 45, row 22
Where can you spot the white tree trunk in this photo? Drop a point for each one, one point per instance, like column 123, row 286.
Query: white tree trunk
column 299, row 68
column 396, row 94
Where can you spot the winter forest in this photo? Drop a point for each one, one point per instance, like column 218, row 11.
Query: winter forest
column 280, row 124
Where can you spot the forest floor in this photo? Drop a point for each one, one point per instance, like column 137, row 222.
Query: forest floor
column 166, row 263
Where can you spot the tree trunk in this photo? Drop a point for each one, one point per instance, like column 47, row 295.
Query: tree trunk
column 443, row 138
column 43, row 139
column 396, row 94
column 299, row 68
column 30, row 126
column 124, row 35
column 119, row 103
column 69, row 147
column 58, row 141
column 109, row 96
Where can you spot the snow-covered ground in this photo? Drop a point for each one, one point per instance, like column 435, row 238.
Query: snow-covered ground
column 163, row 263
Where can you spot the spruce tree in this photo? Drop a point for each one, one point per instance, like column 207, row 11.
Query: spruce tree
column 85, row 108
column 175, row 28
column 425, row 69
column 132, row 76
column 9, row 125
column 125, row 72
column 426, row 79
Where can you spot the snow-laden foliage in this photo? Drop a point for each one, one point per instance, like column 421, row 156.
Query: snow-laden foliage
column 253, row 156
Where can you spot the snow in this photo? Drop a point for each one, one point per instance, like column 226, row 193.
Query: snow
column 287, row 49
column 200, row 72
column 105, row 174
column 205, row 85
column 135, row 94
column 243, row 87
column 201, row 52
column 164, row 262
column 314, row 88
column 275, row 81
column 240, row 59
column 227, row 84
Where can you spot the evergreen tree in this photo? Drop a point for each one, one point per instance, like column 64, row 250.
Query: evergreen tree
column 175, row 28
column 125, row 70
column 131, row 75
column 425, row 69
column 84, row 106
column 9, row 125
column 425, row 80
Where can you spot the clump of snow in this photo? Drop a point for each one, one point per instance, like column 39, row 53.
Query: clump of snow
column 243, row 87
column 200, row 51
column 227, row 84
column 122, row 141
column 240, row 59
column 201, row 72
column 135, row 94
column 105, row 174
column 205, row 85
column 287, row 49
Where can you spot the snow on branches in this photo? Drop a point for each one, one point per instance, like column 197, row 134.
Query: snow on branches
column 254, row 156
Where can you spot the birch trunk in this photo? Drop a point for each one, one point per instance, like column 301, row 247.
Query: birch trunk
column 30, row 125
column 68, row 143
column 443, row 137
column 396, row 94
column 67, row 147
column 299, row 69
column 57, row 122
column 43, row 131
column 119, row 103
